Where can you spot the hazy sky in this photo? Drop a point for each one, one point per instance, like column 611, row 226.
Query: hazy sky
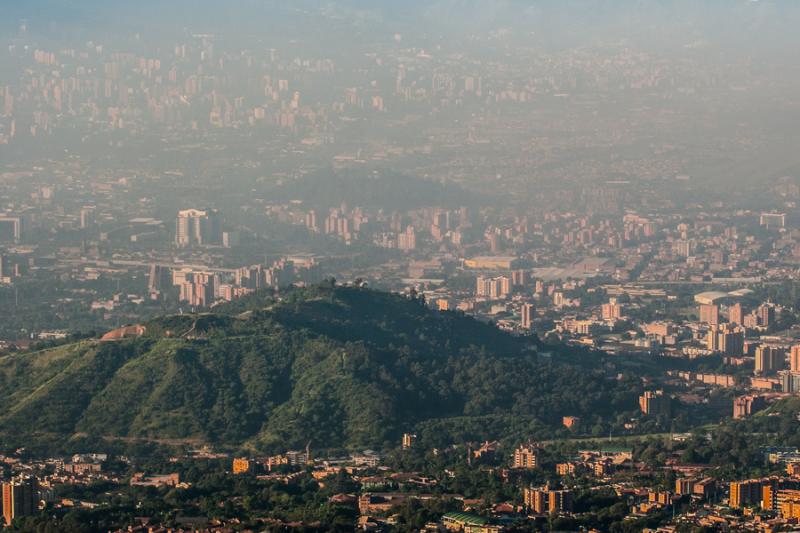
column 745, row 23
column 732, row 43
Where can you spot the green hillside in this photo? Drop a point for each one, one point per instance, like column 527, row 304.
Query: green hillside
column 336, row 366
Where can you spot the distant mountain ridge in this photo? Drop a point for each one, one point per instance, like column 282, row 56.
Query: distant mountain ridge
column 765, row 23
column 384, row 189
column 339, row 366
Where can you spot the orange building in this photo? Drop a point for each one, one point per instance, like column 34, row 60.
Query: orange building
column 20, row 498
column 526, row 456
column 241, row 465
column 794, row 358
column 659, row 498
column 705, row 488
column 602, row 468
column 772, row 490
column 789, row 503
column 535, row 500
column 745, row 493
column 565, row 469
column 409, row 439
column 544, row 500
column 684, row 485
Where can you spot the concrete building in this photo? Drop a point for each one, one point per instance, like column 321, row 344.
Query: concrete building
column 526, row 456
column 709, row 313
column 11, row 229
column 769, row 359
column 653, row 403
column 527, row 316
column 198, row 227
column 20, row 498
column 747, row 405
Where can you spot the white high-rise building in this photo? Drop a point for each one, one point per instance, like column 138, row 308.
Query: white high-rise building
column 197, row 227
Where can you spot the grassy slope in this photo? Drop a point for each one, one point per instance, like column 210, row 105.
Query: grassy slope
column 334, row 366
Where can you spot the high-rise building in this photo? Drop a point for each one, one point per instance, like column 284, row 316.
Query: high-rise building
column 230, row 239
column 745, row 493
column 527, row 316
column 709, row 313
column 559, row 501
column 684, row 485
column 794, row 358
column 8, row 102
column 503, row 287
column 494, row 288
column 158, row 279
column 198, row 227
column 773, row 220
column 747, row 405
column 6, row 274
column 311, row 221
column 611, row 310
column 769, row 359
column 766, row 315
column 727, row 339
column 566, row 469
column 731, row 340
column 526, row 456
column 750, row 320
column 790, row 381
column 482, row 286
column 736, row 314
column 535, row 499
column 712, row 339
column 773, row 491
column 407, row 240
column 87, row 217
column 11, row 229
column 440, row 225
column 20, row 498
column 196, row 288
column 787, row 502
column 544, row 500
column 789, row 506
column 558, row 298
column 655, row 403
column 685, row 248
column 519, row 278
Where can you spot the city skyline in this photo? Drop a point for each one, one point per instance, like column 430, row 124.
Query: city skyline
column 455, row 265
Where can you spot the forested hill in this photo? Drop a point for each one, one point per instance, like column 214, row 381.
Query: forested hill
column 338, row 366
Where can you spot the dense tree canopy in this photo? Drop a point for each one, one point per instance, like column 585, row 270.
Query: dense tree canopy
column 337, row 366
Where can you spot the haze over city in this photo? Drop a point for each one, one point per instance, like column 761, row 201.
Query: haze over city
column 457, row 265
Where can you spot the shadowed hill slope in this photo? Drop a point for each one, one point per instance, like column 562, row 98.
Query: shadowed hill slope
column 337, row 366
